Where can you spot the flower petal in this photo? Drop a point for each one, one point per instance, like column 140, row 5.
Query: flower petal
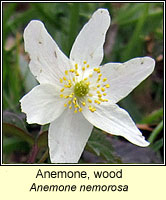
column 124, row 77
column 42, row 104
column 88, row 45
column 67, row 137
column 48, row 63
column 116, row 121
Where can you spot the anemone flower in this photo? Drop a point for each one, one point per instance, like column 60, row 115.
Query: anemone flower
column 76, row 93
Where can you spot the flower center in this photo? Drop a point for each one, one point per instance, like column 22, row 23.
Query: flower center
column 88, row 91
column 81, row 89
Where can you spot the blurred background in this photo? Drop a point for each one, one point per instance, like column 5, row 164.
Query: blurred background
column 136, row 30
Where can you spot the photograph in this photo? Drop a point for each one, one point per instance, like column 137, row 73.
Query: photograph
column 82, row 83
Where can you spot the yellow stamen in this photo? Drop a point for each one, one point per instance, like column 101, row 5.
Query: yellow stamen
column 69, row 86
column 72, row 70
column 74, row 100
column 92, row 109
column 102, row 89
column 89, row 100
column 76, row 106
column 96, row 70
column 98, row 79
column 83, row 103
column 97, row 101
column 80, row 109
column 72, row 97
column 106, row 100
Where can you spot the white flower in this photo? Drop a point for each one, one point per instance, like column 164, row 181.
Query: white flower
column 76, row 94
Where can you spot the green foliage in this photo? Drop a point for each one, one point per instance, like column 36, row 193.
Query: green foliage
column 154, row 117
column 157, row 145
column 13, row 125
column 135, row 23
column 42, row 139
column 99, row 144
column 155, row 132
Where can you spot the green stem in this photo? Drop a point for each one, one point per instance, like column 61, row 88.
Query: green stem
column 153, row 117
column 155, row 132
column 33, row 154
column 44, row 157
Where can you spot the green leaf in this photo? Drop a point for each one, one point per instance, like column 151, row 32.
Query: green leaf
column 155, row 116
column 134, row 43
column 14, row 119
column 44, row 156
column 99, row 144
column 8, row 11
column 44, row 128
column 74, row 21
column 153, row 21
column 45, row 13
column 42, row 139
column 10, row 129
column 15, row 126
column 157, row 145
column 129, row 13
column 155, row 132
column 21, row 19
column 11, row 144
